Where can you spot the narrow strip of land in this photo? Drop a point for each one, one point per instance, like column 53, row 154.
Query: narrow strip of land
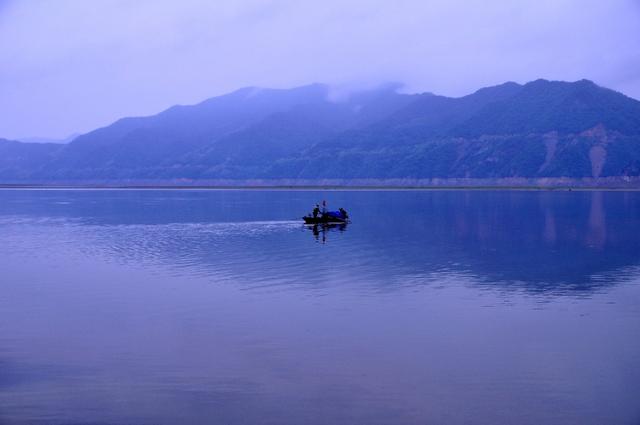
column 318, row 187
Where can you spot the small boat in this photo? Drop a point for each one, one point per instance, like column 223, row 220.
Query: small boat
column 327, row 218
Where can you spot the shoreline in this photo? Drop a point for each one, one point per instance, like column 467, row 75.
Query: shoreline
column 322, row 187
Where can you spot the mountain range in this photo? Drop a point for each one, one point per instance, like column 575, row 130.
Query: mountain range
column 540, row 132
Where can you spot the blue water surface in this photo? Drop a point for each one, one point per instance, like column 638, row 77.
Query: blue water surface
column 221, row 307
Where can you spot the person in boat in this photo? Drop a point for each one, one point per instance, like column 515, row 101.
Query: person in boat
column 316, row 211
column 344, row 213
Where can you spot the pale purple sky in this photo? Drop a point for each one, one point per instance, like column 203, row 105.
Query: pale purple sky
column 73, row 65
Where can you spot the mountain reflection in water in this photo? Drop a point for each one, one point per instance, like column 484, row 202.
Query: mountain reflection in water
column 540, row 241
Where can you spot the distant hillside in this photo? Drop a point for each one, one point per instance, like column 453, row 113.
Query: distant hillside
column 19, row 161
column 540, row 130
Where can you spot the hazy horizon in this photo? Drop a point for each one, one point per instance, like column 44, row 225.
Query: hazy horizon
column 70, row 66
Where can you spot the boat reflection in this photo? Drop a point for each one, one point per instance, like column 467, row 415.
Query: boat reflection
column 320, row 230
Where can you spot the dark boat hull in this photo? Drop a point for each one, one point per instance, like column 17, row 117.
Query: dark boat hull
column 322, row 220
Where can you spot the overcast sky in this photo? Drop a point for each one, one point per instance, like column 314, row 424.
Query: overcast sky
column 72, row 65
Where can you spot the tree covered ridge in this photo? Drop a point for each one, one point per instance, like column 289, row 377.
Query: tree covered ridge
column 536, row 130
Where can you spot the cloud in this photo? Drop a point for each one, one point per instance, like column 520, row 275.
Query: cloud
column 72, row 65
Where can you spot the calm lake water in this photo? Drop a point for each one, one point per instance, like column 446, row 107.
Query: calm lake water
column 220, row 307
